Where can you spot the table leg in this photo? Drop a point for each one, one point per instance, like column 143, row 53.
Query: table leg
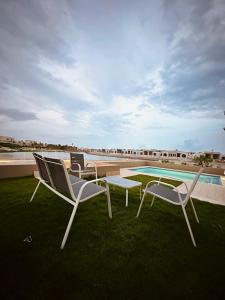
column 126, row 197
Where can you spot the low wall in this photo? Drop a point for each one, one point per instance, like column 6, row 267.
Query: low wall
column 208, row 170
column 19, row 170
column 129, row 163
column 104, row 168
column 25, row 169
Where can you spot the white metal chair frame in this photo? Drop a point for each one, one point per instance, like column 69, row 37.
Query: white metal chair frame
column 181, row 202
column 84, row 172
column 74, row 201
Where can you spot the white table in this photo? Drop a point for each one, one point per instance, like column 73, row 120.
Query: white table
column 123, row 183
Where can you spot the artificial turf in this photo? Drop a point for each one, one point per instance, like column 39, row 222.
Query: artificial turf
column 124, row 258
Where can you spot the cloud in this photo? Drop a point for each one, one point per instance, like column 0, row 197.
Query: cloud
column 153, row 84
column 113, row 73
column 199, row 93
column 18, row 115
column 70, row 80
column 157, row 126
column 191, row 145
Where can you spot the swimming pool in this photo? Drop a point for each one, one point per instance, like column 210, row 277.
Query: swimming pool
column 180, row 175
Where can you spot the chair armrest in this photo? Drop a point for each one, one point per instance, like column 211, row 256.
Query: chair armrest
column 79, row 168
column 76, row 182
column 92, row 164
column 185, row 186
column 167, row 184
column 159, row 182
column 85, row 184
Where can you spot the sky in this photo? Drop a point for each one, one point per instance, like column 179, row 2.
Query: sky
column 114, row 73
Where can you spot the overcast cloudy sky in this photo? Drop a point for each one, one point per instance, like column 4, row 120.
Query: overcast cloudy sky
column 114, row 73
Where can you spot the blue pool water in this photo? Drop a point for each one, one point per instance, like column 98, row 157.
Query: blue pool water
column 180, row 175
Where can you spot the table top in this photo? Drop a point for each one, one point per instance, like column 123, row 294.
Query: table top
column 122, row 182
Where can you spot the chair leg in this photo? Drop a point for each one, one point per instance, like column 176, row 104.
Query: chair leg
column 108, row 201
column 69, row 226
column 195, row 213
column 127, row 197
column 188, row 225
column 142, row 200
column 153, row 199
column 35, row 191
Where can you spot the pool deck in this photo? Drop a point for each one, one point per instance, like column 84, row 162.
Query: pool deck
column 124, row 172
column 207, row 192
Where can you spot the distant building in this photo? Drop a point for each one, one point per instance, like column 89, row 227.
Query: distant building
column 212, row 154
column 160, row 154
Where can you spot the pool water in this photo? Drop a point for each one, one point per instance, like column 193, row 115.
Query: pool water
column 54, row 154
column 180, row 175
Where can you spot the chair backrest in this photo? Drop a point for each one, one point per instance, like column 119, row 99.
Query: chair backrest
column 59, row 175
column 43, row 169
column 76, row 158
column 193, row 185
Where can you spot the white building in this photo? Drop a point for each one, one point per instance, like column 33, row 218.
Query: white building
column 171, row 155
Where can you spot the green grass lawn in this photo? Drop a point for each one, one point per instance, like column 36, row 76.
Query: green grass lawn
column 124, row 258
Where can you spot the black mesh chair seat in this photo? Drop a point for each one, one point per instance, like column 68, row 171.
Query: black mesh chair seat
column 75, row 179
column 88, row 191
column 165, row 192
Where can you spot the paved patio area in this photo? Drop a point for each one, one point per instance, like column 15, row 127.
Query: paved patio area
column 124, row 172
column 208, row 192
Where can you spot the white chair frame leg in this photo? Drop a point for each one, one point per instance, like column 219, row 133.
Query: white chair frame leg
column 35, row 191
column 153, row 200
column 188, row 225
column 108, row 201
column 73, row 215
column 69, row 226
column 127, row 197
column 184, row 212
column 142, row 201
column 195, row 213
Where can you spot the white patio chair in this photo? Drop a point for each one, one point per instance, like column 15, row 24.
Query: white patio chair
column 78, row 165
column 74, row 190
column 169, row 193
